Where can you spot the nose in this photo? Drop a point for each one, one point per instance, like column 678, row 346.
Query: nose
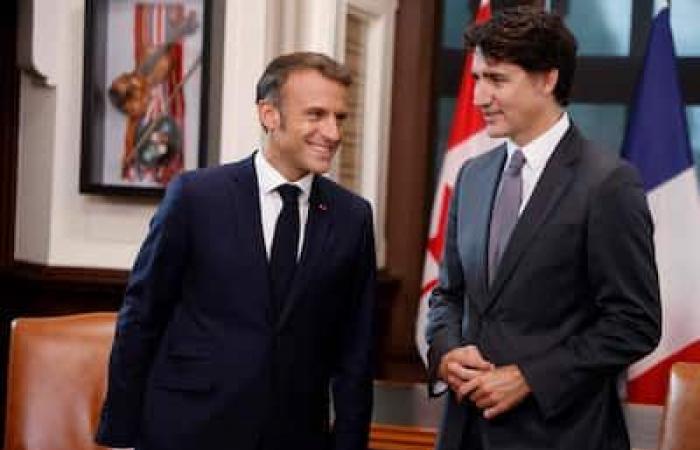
column 332, row 129
column 482, row 95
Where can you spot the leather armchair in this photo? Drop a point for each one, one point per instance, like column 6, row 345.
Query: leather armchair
column 680, row 429
column 57, row 381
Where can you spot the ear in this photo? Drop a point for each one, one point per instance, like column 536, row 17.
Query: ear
column 549, row 81
column 269, row 116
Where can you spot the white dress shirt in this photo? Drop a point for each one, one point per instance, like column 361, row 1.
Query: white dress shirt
column 271, row 201
column 537, row 153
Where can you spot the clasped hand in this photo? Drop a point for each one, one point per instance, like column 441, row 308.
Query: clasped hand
column 492, row 389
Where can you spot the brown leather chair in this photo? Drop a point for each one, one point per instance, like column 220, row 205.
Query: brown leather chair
column 56, row 381
column 680, row 429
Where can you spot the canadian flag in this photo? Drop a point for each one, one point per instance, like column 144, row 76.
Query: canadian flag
column 467, row 139
column 657, row 143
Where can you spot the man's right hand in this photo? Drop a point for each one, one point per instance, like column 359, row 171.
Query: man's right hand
column 460, row 365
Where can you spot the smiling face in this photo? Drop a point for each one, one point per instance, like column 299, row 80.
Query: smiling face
column 515, row 103
column 306, row 128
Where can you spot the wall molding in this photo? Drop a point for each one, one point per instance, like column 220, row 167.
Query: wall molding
column 25, row 271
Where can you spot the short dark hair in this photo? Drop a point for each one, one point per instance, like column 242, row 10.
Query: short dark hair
column 531, row 38
column 270, row 84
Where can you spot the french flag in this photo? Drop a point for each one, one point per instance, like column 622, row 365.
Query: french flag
column 467, row 139
column 657, row 143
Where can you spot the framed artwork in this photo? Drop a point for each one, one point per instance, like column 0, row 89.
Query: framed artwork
column 144, row 93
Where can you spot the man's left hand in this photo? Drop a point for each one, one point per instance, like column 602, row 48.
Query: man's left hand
column 496, row 391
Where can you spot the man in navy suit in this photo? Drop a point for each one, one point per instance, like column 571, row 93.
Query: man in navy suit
column 548, row 288
column 250, row 302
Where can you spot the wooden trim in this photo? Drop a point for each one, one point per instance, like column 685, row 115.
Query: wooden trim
column 395, row 437
column 9, row 126
column 408, row 184
column 24, row 271
column 38, row 290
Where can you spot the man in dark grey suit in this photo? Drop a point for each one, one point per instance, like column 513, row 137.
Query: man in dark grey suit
column 548, row 288
column 251, row 299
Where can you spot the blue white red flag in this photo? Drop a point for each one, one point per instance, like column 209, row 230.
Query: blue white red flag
column 657, row 143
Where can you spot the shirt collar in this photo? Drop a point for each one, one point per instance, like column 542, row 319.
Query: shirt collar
column 270, row 179
column 539, row 150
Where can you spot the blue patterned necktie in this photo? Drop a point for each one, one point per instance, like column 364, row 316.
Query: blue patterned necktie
column 505, row 211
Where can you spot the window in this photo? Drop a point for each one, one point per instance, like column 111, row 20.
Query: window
column 366, row 41
column 612, row 38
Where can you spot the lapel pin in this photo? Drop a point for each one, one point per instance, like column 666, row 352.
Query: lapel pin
column 322, row 207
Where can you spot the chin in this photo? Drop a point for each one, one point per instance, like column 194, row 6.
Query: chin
column 319, row 167
column 496, row 131
column 321, row 164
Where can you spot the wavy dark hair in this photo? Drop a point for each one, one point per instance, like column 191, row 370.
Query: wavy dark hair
column 270, row 84
column 531, row 38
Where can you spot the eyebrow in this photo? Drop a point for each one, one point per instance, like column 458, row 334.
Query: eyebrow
column 491, row 74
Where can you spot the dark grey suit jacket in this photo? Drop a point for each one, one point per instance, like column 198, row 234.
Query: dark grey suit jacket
column 574, row 302
column 201, row 360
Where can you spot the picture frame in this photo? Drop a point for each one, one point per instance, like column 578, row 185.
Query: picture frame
column 145, row 94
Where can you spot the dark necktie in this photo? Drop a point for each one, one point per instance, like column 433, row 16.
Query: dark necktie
column 505, row 211
column 285, row 242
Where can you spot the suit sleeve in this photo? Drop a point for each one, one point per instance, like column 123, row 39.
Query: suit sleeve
column 623, row 284
column 352, row 382
column 446, row 302
column 152, row 290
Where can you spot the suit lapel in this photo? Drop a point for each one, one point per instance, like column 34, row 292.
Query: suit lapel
column 318, row 226
column 251, row 243
column 477, row 211
column 553, row 182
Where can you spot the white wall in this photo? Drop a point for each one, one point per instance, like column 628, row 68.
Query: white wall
column 58, row 226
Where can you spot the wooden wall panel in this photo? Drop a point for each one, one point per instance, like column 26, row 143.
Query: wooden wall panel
column 9, row 117
column 409, row 183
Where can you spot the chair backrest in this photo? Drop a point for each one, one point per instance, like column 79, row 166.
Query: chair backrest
column 680, row 429
column 56, row 381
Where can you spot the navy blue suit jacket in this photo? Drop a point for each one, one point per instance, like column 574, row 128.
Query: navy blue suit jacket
column 200, row 358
